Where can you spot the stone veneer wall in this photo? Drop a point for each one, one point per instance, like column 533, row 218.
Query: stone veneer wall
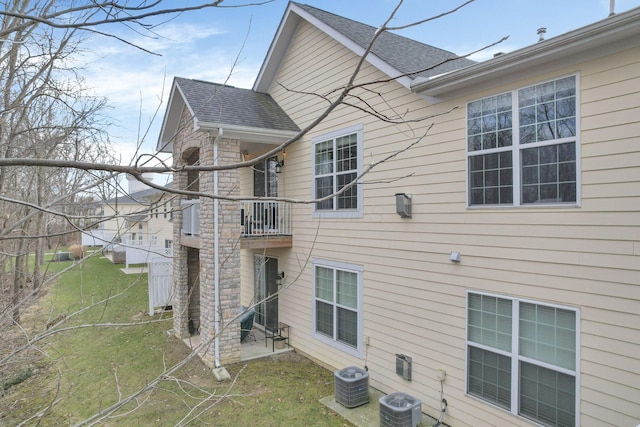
column 180, row 269
column 229, row 255
column 229, row 249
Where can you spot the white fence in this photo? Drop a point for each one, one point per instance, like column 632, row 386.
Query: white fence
column 144, row 251
column 160, row 283
column 95, row 237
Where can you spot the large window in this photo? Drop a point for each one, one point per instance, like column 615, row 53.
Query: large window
column 337, row 162
column 522, row 356
column 337, row 305
column 522, row 146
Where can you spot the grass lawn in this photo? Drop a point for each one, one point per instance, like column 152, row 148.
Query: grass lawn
column 76, row 373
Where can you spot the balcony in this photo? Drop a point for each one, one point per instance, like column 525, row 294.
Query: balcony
column 263, row 224
column 190, row 231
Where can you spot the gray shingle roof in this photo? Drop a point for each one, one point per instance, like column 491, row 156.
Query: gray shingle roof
column 141, row 197
column 228, row 105
column 404, row 54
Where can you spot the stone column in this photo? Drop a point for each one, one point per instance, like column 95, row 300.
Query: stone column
column 180, row 271
column 229, row 235
column 229, row 256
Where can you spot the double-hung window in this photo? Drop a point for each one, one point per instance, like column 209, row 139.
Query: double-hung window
column 522, row 146
column 337, row 305
column 523, row 357
column 337, row 162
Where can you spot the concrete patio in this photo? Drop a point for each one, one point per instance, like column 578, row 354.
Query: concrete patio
column 368, row 415
column 253, row 347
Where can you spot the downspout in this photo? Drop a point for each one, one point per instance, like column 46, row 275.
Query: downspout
column 216, row 254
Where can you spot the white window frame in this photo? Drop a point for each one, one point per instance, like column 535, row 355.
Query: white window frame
column 339, row 213
column 516, row 149
column 515, row 356
column 333, row 342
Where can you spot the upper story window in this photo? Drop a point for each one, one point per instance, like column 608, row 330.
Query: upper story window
column 522, row 146
column 337, row 161
column 523, row 356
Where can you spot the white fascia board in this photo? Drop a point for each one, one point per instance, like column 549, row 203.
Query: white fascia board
column 171, row 120
column 248, row 134
column 277, row 50
column 283, row 38
column 601, row 38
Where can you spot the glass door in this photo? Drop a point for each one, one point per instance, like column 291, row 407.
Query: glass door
column 265, row 184
column 265, row 273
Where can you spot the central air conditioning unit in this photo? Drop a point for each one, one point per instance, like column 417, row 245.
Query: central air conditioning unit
column 351, row 386
column 400, row 410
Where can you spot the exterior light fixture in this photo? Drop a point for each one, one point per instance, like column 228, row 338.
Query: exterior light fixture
column 279, row 165
column 403, row 205
column 280, row 278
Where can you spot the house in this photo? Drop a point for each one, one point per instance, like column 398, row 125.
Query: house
column 140, row 216
column 497, row 252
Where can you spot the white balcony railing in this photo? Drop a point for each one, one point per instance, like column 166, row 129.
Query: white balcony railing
column 257, row 218
column 260, row 218
column 190, row 217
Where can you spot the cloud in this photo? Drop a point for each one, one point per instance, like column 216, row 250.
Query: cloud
column 137, row 84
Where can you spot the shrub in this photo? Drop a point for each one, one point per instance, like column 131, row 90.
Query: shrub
column 78, row 251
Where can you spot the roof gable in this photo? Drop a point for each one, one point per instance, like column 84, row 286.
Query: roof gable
column 214, row 105
column 393, row 54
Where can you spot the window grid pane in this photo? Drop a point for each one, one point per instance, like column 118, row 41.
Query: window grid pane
column 347, row 326
column 489, row 123
column 324, row 187
column 546, row 112
column 490, row 321
column 324, row 318
column 347, row 153
column 547, row 396
column 324, row 157
column 330, row 178
column 347, row 288
column 491, row 179
column 340, row 311
column 490, row 376
column 349, row 198
column 324, row 283
column 549, row 174
column 548, row 334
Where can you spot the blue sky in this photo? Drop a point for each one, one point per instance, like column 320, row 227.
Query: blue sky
column 204, row 45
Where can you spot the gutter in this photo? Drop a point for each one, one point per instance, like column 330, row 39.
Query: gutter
column 247, row 133
column 616, row 32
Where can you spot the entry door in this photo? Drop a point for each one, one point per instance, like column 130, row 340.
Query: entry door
column 265, row 290
column 265, row 184
column 265, row 178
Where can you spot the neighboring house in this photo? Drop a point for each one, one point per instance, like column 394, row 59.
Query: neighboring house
column 513, row 264
column 142, row 214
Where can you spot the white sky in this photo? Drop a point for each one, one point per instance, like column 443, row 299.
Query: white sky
column 204, row 45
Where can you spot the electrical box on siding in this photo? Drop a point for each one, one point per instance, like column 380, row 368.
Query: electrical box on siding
column 403, row 366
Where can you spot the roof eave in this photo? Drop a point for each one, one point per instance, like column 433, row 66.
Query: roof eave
column 613, row 34
column 249, row 134
column 171, row 120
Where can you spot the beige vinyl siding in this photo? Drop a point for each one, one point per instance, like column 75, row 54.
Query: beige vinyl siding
column 246, row 257
column 586, row 257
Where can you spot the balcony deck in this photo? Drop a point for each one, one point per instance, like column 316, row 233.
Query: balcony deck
column 263, row 224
